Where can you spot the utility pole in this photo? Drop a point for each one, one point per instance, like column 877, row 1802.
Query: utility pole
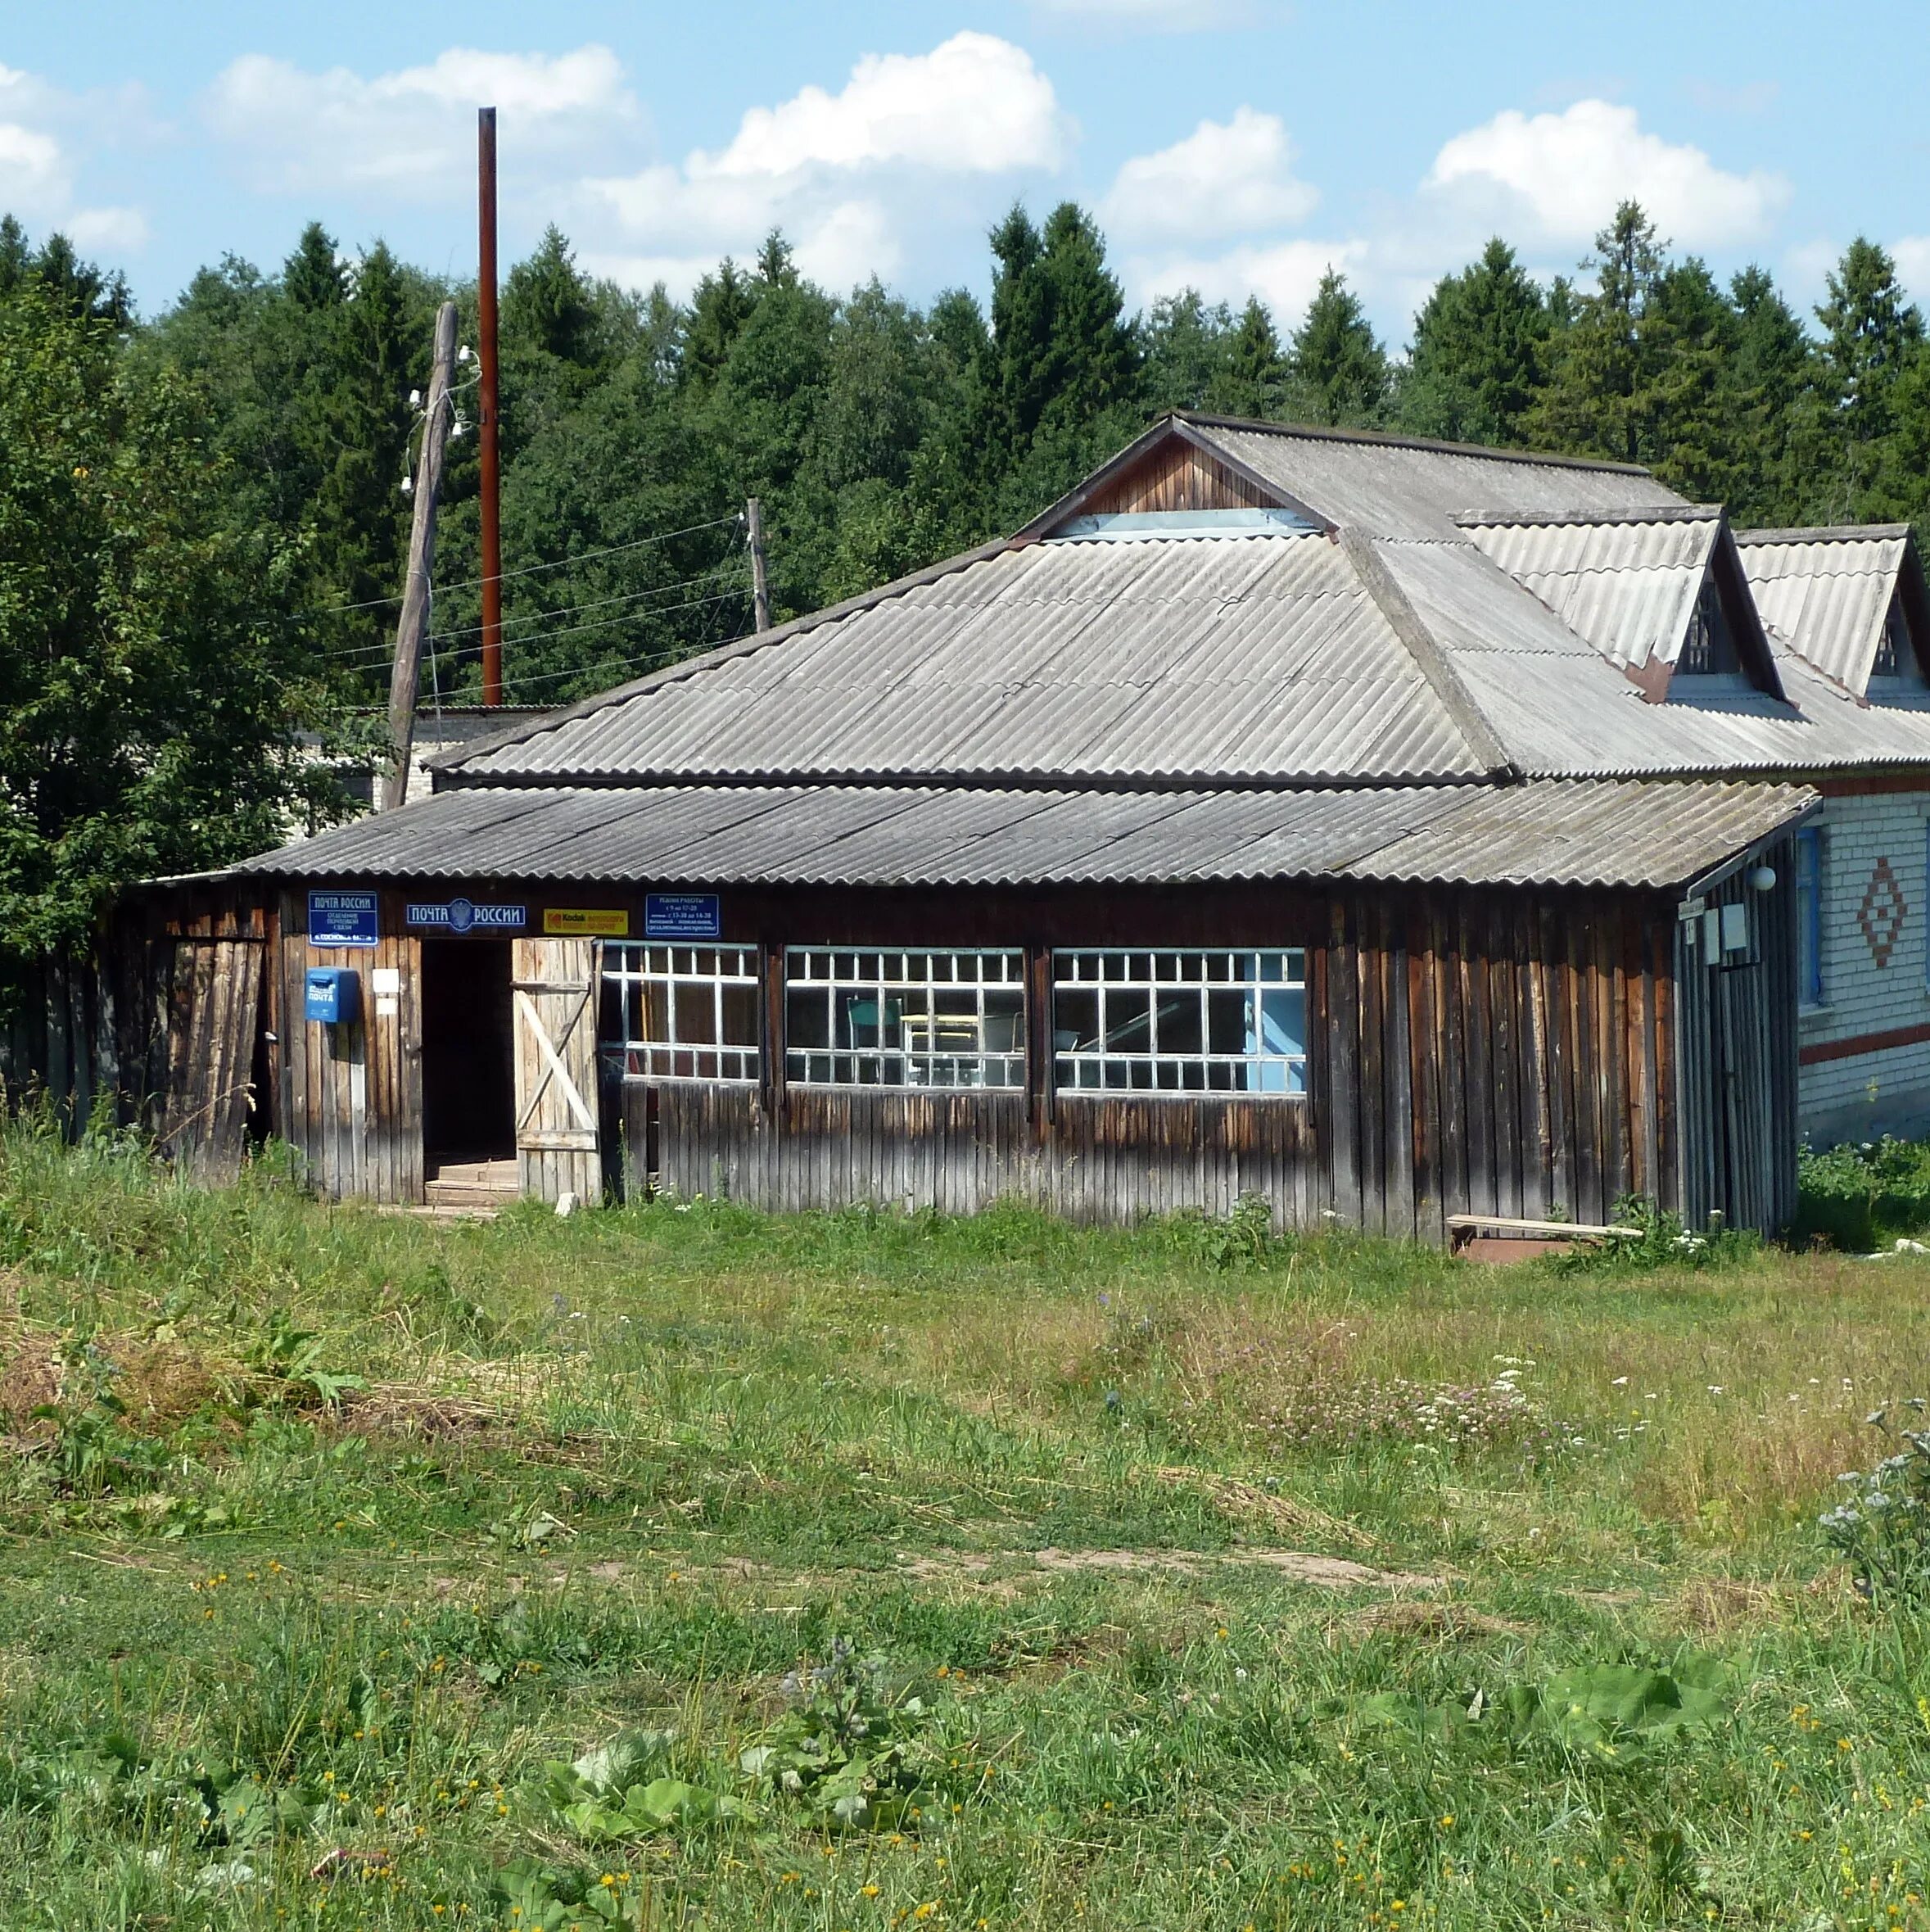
column 421, row 562
column 753, row 516
column 486, row 405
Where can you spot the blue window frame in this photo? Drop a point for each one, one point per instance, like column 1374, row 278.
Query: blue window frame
column 1808, row 915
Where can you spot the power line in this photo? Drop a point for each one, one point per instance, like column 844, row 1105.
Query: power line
column 335, row 610
column 604, row 623
column 621, row 664
column 348, row 653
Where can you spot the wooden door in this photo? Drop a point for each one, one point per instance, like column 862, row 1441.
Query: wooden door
column 554, row 989
column 213, row 1003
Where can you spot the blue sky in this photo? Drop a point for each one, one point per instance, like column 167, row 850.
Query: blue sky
column 1232, row 145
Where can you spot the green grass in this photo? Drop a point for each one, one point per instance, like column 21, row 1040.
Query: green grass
column 621, row 1474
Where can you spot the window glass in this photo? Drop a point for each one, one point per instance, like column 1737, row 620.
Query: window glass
column 1205, row 1020
column 925, row 1019
column 1809, row 915
column 681, row 1012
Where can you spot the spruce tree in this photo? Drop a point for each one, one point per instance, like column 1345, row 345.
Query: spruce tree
column 1186, row 345
column 1253, row 372
column 1339, row 370
column 1480, row 353
column 1871, row 333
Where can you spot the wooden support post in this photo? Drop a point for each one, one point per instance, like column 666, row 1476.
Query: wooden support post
column 760, row 575
column 487, row 446
column 414, row 623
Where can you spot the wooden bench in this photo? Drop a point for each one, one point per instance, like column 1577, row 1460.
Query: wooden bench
column 1508, row 1238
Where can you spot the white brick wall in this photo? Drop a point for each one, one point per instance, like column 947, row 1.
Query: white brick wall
column 1866, row 1094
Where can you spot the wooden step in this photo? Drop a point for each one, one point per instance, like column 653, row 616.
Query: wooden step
column 470, row 1187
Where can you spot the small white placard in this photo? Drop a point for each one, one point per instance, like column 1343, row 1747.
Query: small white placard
column 386, row 1004
column 385, row 979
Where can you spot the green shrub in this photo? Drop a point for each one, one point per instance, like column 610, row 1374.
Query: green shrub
column 1861, row 1197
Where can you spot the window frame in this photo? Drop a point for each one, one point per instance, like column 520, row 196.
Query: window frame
column 1068, row 1063
column 839, row 1066
column 1811, row 987
column 632, row 987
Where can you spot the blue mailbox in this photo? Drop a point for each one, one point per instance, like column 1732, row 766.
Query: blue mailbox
column 332, row 994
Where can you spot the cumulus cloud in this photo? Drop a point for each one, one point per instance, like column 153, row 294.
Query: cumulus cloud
column 42, row 129
column 1558, row 177
column 413, row 131
column 1225, row 177
column 910, row 142
column 1284, row 274
column 1912, row 256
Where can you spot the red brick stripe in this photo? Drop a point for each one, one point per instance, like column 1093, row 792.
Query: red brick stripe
column 1863, row 1043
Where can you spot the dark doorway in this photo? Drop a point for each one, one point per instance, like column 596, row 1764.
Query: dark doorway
column 469, row 1051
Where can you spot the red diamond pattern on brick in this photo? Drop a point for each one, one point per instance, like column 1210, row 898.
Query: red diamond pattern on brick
column 1883, row 912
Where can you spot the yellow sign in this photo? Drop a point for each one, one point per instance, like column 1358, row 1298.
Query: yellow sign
column 610, row 923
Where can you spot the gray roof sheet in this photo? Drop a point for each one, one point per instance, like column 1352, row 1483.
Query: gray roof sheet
column 1825, row 593
column 1603, row 835
column 1628, row 587
column 1394, row 487
column 1252, row 657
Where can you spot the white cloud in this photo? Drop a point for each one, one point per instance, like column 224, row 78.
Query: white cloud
column 1911, row 254
column 1558, row 177
column 42, row 130
column 911, row 145
column 975, row 104
column 1284, row 274
column 414, row 132
column 1225, row 177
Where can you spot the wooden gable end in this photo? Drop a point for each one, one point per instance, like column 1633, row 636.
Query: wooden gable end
column 1176, row 476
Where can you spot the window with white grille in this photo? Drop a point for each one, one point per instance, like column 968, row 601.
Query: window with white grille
column 681, row 1012
column 869, row 1017
column 1193, row 1021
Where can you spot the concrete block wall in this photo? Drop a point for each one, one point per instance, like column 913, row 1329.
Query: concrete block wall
column 1865, row 1052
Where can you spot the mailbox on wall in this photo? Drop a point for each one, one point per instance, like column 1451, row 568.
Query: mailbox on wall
column 331, row 994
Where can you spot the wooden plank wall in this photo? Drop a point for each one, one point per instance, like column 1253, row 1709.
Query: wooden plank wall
column 212, row 1023
column 351, row 1099
column 1495, row 1053
column 1177, row 476
column 1490, row 1053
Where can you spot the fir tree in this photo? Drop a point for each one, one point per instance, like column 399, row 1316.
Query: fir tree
column 1254, row 372
column 1871, row 335
column 1479, row 353
column 1339, row 370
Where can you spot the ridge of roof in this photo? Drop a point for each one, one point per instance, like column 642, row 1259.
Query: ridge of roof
column 1387, row 439
column 1664, row 512
column 1483, row 742
column 741, row 647
column 1826, row 533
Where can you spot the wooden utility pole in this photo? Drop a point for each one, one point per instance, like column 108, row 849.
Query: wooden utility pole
column 486, row 406
column 753, row 518
column 421, row 562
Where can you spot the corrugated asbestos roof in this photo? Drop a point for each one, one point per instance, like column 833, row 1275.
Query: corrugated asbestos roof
column 1252, row 657
column 1628, row 835
column 1628, row 587
column 1391, row 487
column 1825, row 593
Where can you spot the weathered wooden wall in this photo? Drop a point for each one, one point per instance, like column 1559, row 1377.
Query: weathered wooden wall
column 350, row 1096
column 1177, row 477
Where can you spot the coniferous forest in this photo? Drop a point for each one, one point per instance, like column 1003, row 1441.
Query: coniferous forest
column 202, row 528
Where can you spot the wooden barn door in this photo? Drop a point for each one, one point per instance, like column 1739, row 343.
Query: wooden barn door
column 213, row 1002
column 554, row 986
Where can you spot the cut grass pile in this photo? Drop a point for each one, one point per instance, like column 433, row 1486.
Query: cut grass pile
column 1211, row 1582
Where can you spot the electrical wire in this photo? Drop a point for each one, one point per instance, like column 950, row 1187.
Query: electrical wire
column 334, row 610
column 604, row 623
column 622, row 664
column 348, row 653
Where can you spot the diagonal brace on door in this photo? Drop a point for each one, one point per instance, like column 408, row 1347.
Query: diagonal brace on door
column 553, row 1065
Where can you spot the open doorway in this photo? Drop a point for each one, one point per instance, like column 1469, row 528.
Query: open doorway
column 468, row 1062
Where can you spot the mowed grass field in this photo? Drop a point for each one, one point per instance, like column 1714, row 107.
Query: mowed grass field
column 880, row 1572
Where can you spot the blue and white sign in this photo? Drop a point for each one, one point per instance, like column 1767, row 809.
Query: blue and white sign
column 465, row 916
column 341, row 919
column 682, row 916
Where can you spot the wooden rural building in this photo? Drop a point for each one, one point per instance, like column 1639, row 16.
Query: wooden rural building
column 1393, row 830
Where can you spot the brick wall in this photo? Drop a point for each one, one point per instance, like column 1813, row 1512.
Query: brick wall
column 1867, row 988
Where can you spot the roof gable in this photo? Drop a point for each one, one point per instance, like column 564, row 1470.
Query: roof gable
column 1648, row 589
column 1828, row 596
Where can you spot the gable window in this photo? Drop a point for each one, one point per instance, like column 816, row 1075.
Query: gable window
column 1809, row 916
column 1192, row 1021
column 867, row 1017
column 1711, row 645
column 680, row 1013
